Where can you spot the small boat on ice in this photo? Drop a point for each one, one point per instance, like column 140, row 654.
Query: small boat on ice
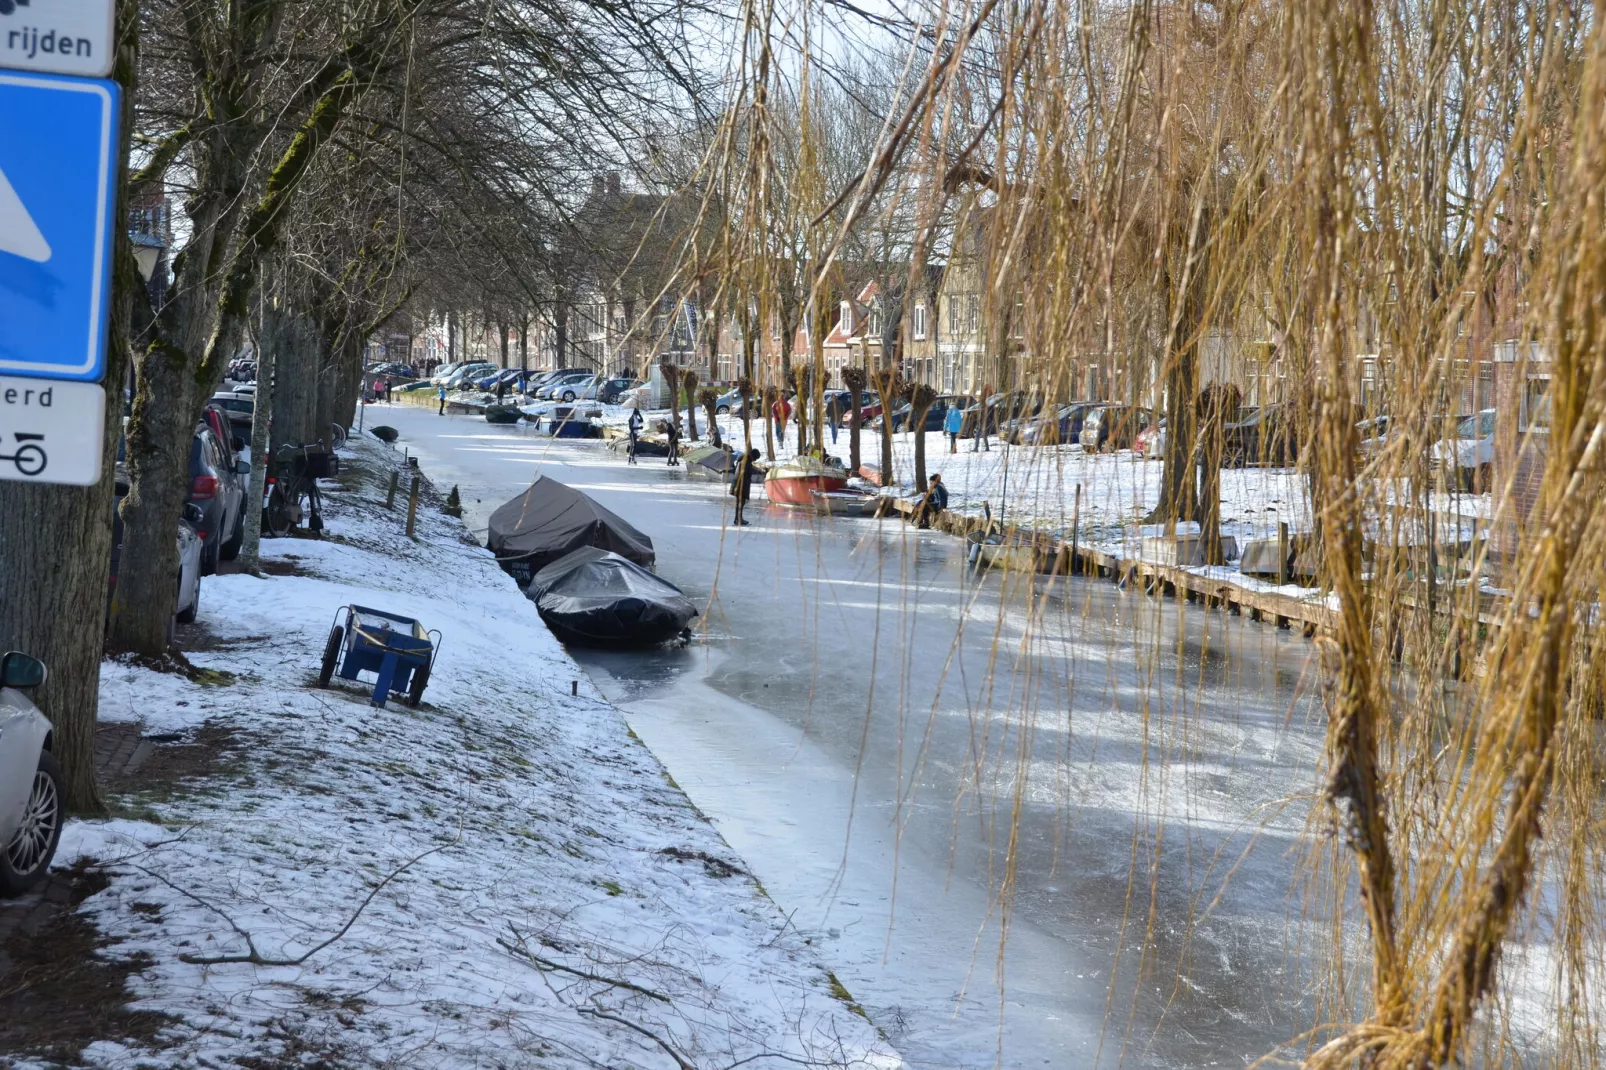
column 847, row 503
column 594, row 597
column 795, row 482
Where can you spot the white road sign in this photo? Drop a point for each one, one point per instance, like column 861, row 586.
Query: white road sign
column 51, row 430
column 57, row 36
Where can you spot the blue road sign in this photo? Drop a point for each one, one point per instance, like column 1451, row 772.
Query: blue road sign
column 58, row 189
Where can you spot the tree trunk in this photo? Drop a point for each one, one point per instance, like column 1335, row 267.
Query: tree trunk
column 160, row 432
column 502, row 329
column 261, row 417
column 560, row 335
column 451, row 338
column 298, row 356
column 524, row 343
column 55, row 541
column 855, row 452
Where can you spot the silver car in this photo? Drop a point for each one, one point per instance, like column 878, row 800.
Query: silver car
column 33, row 795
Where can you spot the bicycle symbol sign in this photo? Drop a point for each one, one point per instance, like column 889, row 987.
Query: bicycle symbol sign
column 29, row 456
column 51, row 431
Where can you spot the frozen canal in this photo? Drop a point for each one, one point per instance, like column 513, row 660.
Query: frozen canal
column 985, row 798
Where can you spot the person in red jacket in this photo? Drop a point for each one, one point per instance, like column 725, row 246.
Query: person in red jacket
column 781, row 411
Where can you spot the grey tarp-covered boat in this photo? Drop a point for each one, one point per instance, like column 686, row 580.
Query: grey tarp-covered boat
column 598, row 598
column 551, row 520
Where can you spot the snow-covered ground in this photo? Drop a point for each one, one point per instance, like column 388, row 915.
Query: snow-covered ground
column 522, row 882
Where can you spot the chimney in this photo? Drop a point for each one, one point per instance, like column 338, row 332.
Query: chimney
column 613, row 183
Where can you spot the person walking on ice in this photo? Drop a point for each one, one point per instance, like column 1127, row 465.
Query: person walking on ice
column 443, row 399
column 635, row 433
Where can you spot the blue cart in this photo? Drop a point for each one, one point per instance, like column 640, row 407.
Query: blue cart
column 397, row 649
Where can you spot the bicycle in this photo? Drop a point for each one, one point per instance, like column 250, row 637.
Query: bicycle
column 294, row 476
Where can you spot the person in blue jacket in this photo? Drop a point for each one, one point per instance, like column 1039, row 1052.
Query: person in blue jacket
column 935, row 501
column 953, row 423
column 443, row 399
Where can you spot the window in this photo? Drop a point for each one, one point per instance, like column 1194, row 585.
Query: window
column 919, row 322
column 953, row 317
column 875, row 322
column 1018, row 328
column 1535, row 415
column 972, row 312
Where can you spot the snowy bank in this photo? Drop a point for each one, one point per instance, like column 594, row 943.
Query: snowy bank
column 522, row 882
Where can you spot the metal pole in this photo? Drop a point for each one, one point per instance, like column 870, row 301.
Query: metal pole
column 390, row 495
column 412, row 507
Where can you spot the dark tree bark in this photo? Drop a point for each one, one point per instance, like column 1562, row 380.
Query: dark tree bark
column 921, row 398
column 770, row 394
column 689, row 379
column 55, row 541
column 854, row 379
column 886, row 385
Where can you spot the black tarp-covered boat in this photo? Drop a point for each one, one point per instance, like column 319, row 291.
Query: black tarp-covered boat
column 597, row 598
column 550, row 520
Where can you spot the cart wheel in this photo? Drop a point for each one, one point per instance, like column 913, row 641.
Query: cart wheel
column 331, row 652
column 415, row 691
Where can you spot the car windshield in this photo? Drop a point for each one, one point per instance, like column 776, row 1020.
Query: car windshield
column 1478, row 425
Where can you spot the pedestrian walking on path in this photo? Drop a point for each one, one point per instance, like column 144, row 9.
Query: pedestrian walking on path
column 674, row 445
column 935, row 501
column 953, row 423
column 742, row 484
column 635, row 432
column 443, row 399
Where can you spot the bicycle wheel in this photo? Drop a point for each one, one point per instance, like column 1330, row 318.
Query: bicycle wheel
column 276, row 516
column 337, row 436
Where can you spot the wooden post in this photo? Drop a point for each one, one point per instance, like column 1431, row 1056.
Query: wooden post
column 1076, row 526
column 390, row 495
column 1282, row 553
column 412, row 507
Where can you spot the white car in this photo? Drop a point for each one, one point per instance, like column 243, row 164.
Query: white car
column 33, row 795
column 1469, row 452
column 189, row 566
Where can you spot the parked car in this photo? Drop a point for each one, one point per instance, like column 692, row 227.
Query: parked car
column 935, row 416
column 241, row 371
column 1266, row 435
column 33, row 794
column 466, row 376
column 217, row 486
column 1150, row 443
column 565, row 387
column 390, row 370
column 1468, row 453
column 238, row 408
column 1113, row 427
column 509, row 376
column 446, row 371
column 1053, row 427
column 608, row 391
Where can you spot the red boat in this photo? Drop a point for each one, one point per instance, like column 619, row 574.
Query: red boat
column 795, row 482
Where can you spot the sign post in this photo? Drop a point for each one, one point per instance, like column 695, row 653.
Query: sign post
column 58, row 187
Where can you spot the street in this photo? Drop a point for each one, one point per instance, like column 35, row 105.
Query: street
column 982, row 797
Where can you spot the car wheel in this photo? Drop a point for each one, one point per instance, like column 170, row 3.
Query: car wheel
column 568, row 395
column 209, row 561
column 723, row 410
column 187, row 616
column 331, row 652
column 26, row 859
